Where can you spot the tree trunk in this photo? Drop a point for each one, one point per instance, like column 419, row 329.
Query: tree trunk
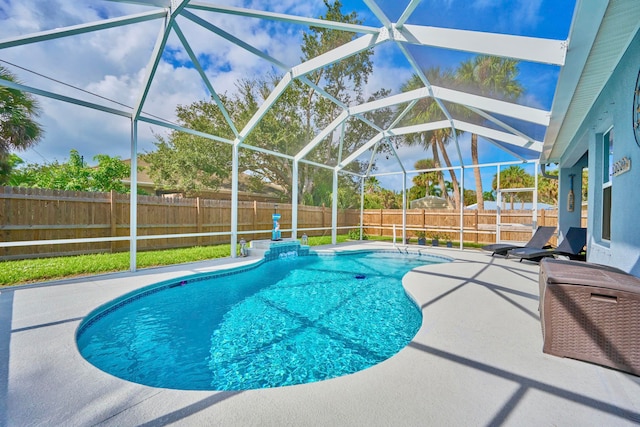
column 436, row 162
column 476, row 171
column 452, row 173
column 307, row 183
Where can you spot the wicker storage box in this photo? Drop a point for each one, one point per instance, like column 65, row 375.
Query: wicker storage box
column 590, row 312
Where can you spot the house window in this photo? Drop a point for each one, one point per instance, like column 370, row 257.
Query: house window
column 607, row 172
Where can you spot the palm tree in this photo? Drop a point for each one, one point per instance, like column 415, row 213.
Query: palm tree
column 18, row 129
column 513, row 177
column 548, row 189
column 492, row 77
column 425, row 183
column 371, row 185
column 425, row 179
column 427, row 110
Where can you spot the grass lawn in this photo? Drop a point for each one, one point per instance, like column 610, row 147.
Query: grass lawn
column 38, row 270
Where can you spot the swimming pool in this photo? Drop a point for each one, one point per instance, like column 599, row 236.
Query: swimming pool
column 283, row 322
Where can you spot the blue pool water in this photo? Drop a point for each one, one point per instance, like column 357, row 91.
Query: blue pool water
column 285, row 322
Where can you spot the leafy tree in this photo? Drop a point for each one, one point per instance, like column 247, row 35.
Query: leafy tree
column 75, row 175
column 469, row 197
column 372, row 201
column 72, row 175
column 108, row 174
column 384, row 199
column 492, row 77
column 343, row 79
column 425, row 179
column 548, row 189
column 427, row 110
column 371, row 185
column 189, row 163
column 279, row 130
column 427, row 183
column 391, row 199
column 416, row 192
column 18, row 127
column 489, row 195
column 376, row 197
column 348, row 198
column 255, row 184
column 515, row 177
column 8, row 173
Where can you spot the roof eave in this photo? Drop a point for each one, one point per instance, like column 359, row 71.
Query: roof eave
column 600, row 34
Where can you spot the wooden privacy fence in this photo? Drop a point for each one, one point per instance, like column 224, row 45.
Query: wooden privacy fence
column 28, row 214
column 478, row 226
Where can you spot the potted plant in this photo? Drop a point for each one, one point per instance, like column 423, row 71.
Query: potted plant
column 435, row 239
column 449, row 243
column 422, row 239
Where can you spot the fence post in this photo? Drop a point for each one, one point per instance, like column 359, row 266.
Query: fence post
column 477, row 234
column 380, row 229
column 113, row 219
column 344, row 222
column 198, row 220
column 542, row 217
column 394, row 234
column 254, row 222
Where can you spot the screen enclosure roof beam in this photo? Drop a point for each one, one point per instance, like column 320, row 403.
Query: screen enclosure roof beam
column 292, row 19
column 81, row 29
column 546, row 51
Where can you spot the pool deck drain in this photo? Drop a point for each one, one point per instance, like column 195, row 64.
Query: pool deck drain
column 477, row 360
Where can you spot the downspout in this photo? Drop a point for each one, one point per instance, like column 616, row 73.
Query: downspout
column 543, row 169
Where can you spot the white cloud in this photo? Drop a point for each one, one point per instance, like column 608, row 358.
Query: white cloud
column 30, row 16
column 380, row 77
column 520, row 14
column 88, row 131
column 528, row 12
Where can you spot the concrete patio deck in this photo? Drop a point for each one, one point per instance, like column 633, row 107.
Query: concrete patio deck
column 477, row 360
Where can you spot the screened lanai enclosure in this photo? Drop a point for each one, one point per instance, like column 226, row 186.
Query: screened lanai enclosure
column 292, row 94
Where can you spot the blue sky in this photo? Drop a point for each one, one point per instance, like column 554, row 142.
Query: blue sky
column 112, row 63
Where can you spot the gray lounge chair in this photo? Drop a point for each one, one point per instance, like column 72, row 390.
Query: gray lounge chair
column 571, row 247
column 538, row 241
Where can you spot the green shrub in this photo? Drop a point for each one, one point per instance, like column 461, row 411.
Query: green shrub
column 354, row 234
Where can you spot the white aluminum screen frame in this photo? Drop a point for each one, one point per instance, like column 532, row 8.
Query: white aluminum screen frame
column 166, row 11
